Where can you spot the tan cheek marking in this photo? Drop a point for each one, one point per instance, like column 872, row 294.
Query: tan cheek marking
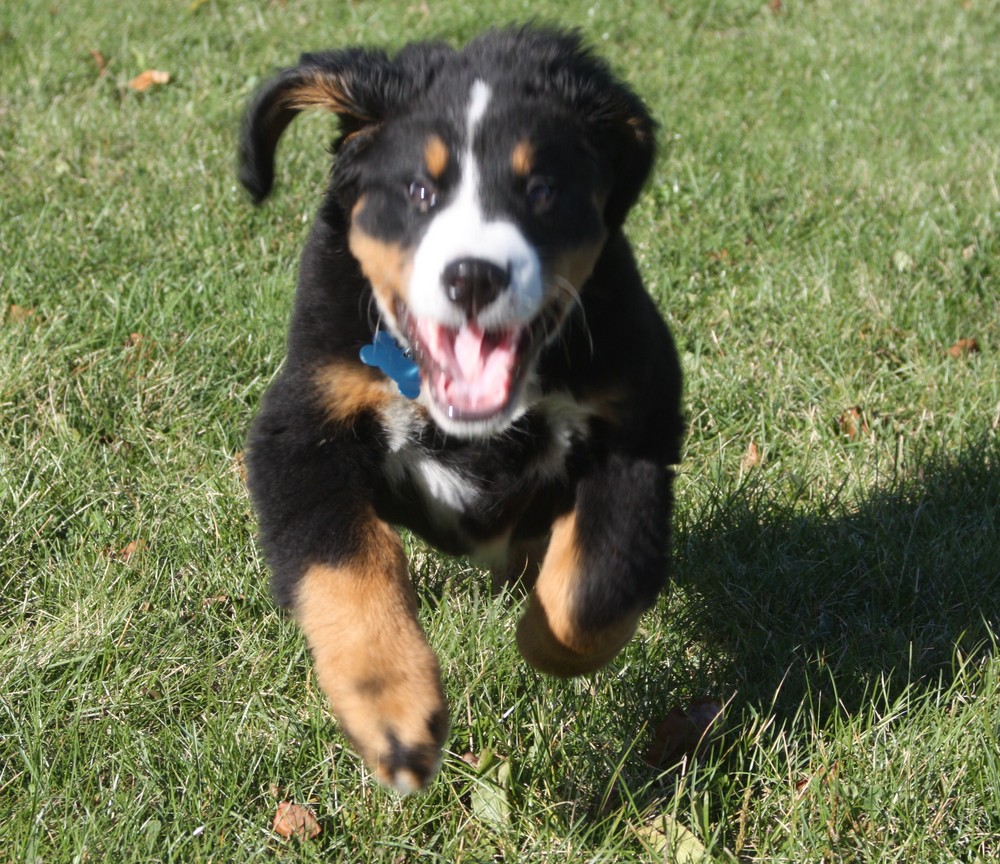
column 347, row 389
column 371, row 658
column 387, row 266
column 548, row 634
column 522, row 158
column 436, row 156
column 575, row 266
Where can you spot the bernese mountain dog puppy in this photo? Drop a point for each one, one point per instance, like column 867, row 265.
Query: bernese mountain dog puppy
column 471, row 356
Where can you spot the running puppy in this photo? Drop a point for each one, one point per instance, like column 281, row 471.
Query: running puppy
column 472, row 355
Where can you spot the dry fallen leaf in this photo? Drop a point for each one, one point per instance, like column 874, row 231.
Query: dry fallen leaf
column 19, row 314
column 751, row 458
column 963, row 348
column 682, row 733
column 100, row 62
column 823, row 776
column 852, row 423
column 128, row 551
column 295, row 820
column 144, row 80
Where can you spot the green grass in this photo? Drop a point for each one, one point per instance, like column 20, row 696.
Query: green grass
column 823, row 223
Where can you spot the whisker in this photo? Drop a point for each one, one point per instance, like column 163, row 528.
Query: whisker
column 568, row 289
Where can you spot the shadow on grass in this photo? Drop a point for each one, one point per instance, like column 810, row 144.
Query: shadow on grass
column 821, row 601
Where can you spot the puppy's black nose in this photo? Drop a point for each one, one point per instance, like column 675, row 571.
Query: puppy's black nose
column 473, row 283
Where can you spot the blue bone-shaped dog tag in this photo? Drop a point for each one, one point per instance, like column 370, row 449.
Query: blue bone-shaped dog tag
column 385, row 354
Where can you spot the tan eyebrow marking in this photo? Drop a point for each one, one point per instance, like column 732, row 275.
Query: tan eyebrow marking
column 522, row 158
column 436, row 156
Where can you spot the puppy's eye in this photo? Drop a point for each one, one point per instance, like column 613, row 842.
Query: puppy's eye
column 423, row 196
column 540, row 193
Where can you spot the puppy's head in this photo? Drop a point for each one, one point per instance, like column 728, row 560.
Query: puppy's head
column 480, row 187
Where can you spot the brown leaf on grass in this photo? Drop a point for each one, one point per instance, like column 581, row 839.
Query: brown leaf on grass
column 775, row 6
column 751, row 458
column 852, row 423
column 150, row 78
column 128, row 551
column 295, row 820
column 18, row 314
column 964, row 348
column 223, row 601
column 133, row 339
column 683, row 733
column 100, row 62
column 823, row 776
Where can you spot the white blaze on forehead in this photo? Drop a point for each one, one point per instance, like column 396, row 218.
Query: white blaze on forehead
column 479, row 98
column 461, row 230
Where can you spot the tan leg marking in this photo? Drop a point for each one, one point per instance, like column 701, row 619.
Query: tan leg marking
column 373, row 662
column 549, row 635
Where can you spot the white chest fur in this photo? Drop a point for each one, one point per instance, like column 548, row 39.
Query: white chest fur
column 449, row 487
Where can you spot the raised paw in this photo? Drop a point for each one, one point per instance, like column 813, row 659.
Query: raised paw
column 398, row 720
column 550, row 641
column 558, row 634
column 378, row 671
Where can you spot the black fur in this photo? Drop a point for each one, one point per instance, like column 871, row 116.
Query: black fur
column 316, row 478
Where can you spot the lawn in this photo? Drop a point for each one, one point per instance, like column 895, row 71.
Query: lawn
column 822, row 233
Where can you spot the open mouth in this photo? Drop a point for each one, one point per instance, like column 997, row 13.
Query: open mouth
column 471, row 373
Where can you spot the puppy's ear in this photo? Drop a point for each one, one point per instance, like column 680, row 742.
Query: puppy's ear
column 614, row 116
column 363, row 88
column 619, row 123
column 626, row 136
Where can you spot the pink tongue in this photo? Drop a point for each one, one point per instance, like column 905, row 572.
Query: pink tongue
column 475, row 369
column 469, row 352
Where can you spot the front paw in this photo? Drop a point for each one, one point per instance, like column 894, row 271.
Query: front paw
column 397, row 721
column 378, row 671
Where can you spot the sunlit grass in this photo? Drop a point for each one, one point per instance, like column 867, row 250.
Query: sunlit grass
column 822, row 226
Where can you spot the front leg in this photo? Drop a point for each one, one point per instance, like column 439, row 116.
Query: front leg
column 342, row 572
column 605, row 565
column 372, row 660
